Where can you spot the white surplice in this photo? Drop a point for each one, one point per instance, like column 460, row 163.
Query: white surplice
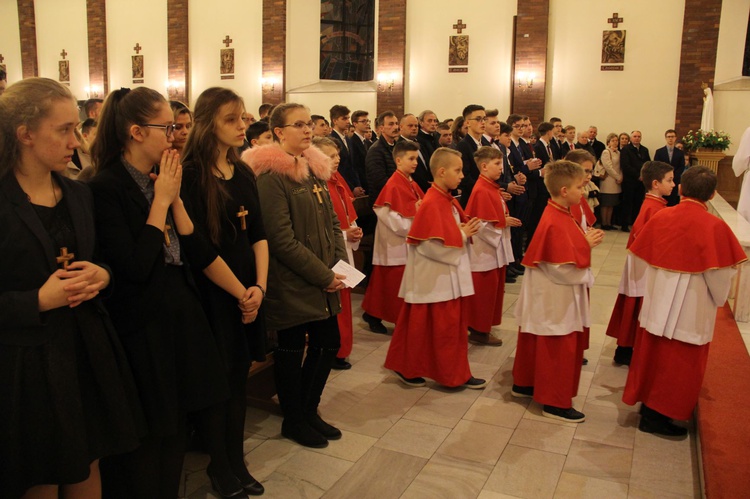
column 740, row 165
column 491, row 249
column 389, row 248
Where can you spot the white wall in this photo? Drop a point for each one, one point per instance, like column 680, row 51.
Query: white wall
column 61, row 24
column 131, row 22
column 731, row 48
column 10, row 39
column 242, row 20
column 644, row 95
column 428, row 83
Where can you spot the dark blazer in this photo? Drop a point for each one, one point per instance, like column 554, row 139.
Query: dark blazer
column 678, row 163
column 554, row 144
column 598, row 147
column 631, row 161
column 379, row 166
column 427, row 145
column 346, row 165
column 467, row 147
column 565, row 148
column 587, row 147
column 28, row 259
column 422, row 175
column 541, row 152
column 358, row 154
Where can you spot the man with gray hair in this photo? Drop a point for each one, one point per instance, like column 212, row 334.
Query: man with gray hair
column 427, row 137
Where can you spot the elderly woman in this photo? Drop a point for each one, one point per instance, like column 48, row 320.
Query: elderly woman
column 610, row 185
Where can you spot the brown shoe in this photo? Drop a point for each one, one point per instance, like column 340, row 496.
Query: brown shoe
column 484, row 339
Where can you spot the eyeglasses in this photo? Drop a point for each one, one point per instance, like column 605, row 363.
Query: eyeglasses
column 481, row 119
column 363, row 121
column 518, row 126
column 300, row 125
column 168, row 129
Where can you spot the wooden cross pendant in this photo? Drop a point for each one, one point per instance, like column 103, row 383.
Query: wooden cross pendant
column 166, row 235
column 64, row 258
column 241, row 215
column 317, row 190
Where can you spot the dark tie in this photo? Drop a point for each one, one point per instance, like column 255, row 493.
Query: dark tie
column 549, row 152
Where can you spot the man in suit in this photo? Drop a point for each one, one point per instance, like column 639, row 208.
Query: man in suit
column 475, row 116
column 597, row 145
column 379, row 163
column 360, row 145
column 570, row 140
column 632, row 158
column 556, row 143
column 339, row 129
column 409, row 131
column 673, row 156
column 543, row 151
column 583, row 142
column 427, row 136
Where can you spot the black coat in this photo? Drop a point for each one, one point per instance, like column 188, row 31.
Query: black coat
column 358, row 154
column 678, row 163
column 422, row 175
column 467, row 147
column 427, row 145
column 346, row 165
column 379, row 166
column 631, row 161
column 598, row 147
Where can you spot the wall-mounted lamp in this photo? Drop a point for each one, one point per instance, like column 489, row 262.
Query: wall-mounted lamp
column 174, row 88
column 525, row 80
column 268, row 84
column 93, row 92
column 386, row 81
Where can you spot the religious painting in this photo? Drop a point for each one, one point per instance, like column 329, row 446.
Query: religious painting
column 458, row 50
column 613, row 46
column 3, row 68
column 227, row 61
column 137, row 67
column 64, row 71
column 347, row 40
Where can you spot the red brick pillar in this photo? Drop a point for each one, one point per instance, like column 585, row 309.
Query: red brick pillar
column 274, row 50
column 96, row 22
column 530, row 56
column 27, row 26
column 392, row 53
column 178, row 49
column 700, row 38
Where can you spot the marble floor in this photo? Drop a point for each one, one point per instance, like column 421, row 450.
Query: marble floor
column 434, row 442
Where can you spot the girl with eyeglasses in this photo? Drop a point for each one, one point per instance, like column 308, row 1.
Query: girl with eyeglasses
column 305, row 242
column 231, row 268
column 144, row 233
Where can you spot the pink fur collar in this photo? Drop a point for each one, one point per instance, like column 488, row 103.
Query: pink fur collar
column 271, row 158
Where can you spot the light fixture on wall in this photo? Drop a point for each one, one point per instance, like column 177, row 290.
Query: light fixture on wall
column 386, row 81
column 93, row 92
column 268, row 84
column 174, row 88
column 525, row 80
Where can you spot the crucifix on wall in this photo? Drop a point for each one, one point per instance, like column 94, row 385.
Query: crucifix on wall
column 458, row 49
column 63, row 68
column 613, row 45
column 226, row 63
column 137, row 64
column 2, row 66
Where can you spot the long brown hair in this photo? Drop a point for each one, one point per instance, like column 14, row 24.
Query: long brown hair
column 122, row 109
column 202, row 150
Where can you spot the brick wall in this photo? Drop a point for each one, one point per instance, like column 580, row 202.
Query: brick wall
column 27, row 25
column 392, row 53
column 178, row 48
column 274, row 49
column 700, row 37
column 531, row 56
column 96, row 22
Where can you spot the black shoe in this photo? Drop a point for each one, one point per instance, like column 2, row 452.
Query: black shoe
column 252, row 487
column 570, row 415
column 518, row 267
column 625, row 228
column 509, row 279
column 522, row 392
column 475, row 383
column 585, row 362
column 413, row 382
column 608, row 227
column 661, row 427
column 304, row 434
column 623, row 355
column 330, row 432
column 228, row 487
column 341, row 364
column 375, row 324
column 510, row 271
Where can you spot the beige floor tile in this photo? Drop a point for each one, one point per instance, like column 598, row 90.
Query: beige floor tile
column 282, row 485
column 379, row 474
column 607, row 397
column 599, row 461
column 584, row 385
column 442, row 407
column 477, row 442
column 449, row 478
column 252, row 441
column 543, row 436
column 192, row 482
column 488, row 494
column 270, row 455
column 195, row 461
column 500, row 385
column 637, row 491
column 414, row 438
column 262, row 422
column 664, row 464
column 534, row 413
column 494, row 356
column 609, row 280
column 319, row 470
column 573, row 486
column 602, row 301
column 499, row 412
column 523, row 472
column 610, row 426
column 352, row 446
column 610, row 376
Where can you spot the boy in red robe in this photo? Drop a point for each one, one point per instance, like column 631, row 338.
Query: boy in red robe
column 658, row 178
column 341, row 197
column 691, row 256
column 553, row 307
column 491, row 251
column 582, row 211
column 430, row 339
column 395, row 208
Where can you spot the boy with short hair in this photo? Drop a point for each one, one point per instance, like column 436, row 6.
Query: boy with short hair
column 258, row 134
column 688, row 277
column 395, row 208
column 491, row 251
column 582, row 212
column 658, row 178
column 431, row 338
column 553, row 307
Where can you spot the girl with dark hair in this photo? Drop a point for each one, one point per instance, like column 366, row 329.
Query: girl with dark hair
column 66, row 392
column 231, row 265
column 183, row 122
column 142, row 230
column 305, row 242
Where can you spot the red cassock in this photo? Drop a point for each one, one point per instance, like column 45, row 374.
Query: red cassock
column 552, row 364
column 486, row 304
column 667, row 374
column 623, row 324
column 341, row 197
column 381, row 300
column 430, row 339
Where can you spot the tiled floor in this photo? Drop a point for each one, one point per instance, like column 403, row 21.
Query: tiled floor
column 435, row 442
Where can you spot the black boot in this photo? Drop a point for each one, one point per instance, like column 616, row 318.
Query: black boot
column 315, row 373
column 623, row 355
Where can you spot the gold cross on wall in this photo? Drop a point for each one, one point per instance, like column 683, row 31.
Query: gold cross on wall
column 65, row 258
column 137, row 48
column 63, row 54
column 615, row 20
column 459, row 26
column 1, row 58
column 227, row 41
column 241, row 215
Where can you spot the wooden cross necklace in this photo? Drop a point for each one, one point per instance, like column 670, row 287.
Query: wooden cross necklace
column 317, row 190
column 241, row 215
column 64, row 258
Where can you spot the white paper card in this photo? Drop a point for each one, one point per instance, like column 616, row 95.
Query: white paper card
column 353, row 276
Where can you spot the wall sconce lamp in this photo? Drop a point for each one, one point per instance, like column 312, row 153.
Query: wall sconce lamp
column 525, row 80
column 269, row 84
column 386, row 81
column 174, row 88
column 93, row 92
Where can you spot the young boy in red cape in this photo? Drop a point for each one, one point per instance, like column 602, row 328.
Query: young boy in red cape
column 553, row 307
column 431, row 335
column 658, row 178
column 691, row 256
column 395, row 208
column 582, row 212
column 341, row 197
column 491, row 250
